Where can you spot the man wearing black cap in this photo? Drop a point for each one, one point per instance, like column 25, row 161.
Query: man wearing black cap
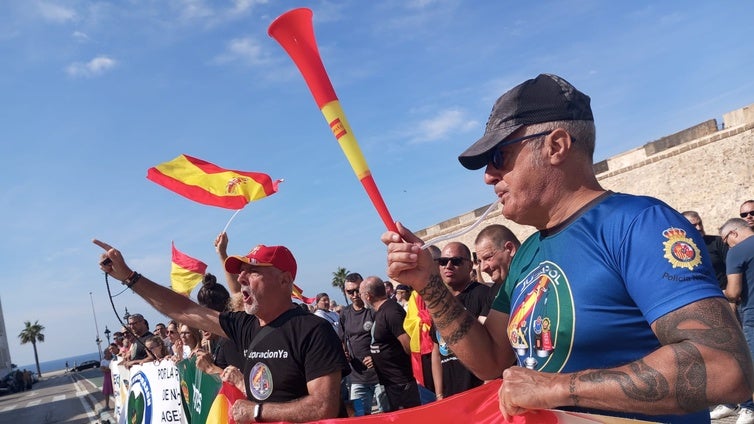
column 294, row 361
column 611, row 307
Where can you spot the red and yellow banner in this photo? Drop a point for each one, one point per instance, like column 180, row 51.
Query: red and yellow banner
column 417, row 325
column 185, row 272
column 297, row 293
column 209, row 184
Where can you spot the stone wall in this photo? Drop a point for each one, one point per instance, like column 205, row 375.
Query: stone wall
column 701, row 168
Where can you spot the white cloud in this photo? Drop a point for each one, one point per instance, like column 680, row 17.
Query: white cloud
column 194, row 9
column 55, row 13
column 80, row 36
column 246, row 49
column 95, row 67
column 241, row 6
column 445, row 123
column 208, row 12
column 420, row 4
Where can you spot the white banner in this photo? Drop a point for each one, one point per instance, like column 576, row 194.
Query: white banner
column 149, row 393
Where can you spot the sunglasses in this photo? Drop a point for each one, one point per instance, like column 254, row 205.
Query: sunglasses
column 455, row 260
column 354, row 291
column 497, row 159
column 745, row 214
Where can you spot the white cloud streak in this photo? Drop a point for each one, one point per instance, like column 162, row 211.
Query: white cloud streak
column 246, row 50
column 55, row 13
column 94, row 68
column 439, row 127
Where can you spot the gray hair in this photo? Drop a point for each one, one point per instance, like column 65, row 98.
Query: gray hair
column 733, row 224
column 583, row 134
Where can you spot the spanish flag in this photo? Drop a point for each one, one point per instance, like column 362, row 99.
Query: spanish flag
column 211, row 185
column 417, row 325
column 185, row 272
column 297, row 293
column 219, row 412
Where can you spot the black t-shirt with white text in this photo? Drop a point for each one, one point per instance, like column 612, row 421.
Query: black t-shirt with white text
column 299, row 348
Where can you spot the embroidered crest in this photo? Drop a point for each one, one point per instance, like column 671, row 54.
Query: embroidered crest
column 260, row 381
column 680, row 250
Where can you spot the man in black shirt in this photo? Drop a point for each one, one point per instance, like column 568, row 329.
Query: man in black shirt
column 390, row 346
column 140, row 333
column 356, row 321
column 455, row 264
column 717, row 249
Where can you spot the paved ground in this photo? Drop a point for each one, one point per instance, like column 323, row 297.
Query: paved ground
column 58, row 397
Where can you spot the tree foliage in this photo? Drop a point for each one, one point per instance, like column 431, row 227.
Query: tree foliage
column 33, row 333
column 339, row 281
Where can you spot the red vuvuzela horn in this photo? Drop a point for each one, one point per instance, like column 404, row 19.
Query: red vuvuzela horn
column 294, row 31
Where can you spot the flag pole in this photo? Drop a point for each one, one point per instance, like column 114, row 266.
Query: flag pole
column 230, row 220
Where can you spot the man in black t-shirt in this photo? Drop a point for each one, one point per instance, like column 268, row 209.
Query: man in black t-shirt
column 717, row 249
column 455, row 264
column 356, row 321
column 139, row 330
column 390, row 346
column 294, row 361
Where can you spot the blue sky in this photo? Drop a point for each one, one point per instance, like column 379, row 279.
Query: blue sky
column 95, row 93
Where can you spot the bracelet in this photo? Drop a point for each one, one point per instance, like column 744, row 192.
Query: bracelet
column 133, row 279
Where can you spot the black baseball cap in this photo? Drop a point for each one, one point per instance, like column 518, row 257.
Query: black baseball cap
column 545, row 98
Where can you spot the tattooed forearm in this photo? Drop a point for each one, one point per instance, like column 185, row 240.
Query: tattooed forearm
column 572, row 390
column 446, row 310
column 719, row 332
column 691, row 383
column 645, row 383
column 463, row 328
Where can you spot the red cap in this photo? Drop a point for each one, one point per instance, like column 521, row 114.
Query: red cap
column 278, row 256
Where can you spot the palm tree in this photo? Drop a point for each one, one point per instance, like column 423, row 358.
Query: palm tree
column 33, row 334
column 339, row 281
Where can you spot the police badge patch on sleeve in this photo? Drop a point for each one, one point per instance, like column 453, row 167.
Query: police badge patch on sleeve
column 680, row 250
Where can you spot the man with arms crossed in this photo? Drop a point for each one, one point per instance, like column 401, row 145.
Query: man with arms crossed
column 611, row 306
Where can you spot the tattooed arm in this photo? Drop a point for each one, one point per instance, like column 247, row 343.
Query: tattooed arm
column 704, row 360
column 482, row 348
column 473, row 343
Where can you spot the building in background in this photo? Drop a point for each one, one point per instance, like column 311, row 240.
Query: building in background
column 5, row 363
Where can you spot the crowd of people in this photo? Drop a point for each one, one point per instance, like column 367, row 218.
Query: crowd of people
column 617, row 305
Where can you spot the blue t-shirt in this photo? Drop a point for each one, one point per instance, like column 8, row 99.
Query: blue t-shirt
column 740, row 260
column 583, row 295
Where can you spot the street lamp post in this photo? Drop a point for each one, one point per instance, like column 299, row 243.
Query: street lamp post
column 107, row 334
column 96, row 328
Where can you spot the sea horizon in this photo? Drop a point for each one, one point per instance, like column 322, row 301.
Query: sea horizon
column 60, row 364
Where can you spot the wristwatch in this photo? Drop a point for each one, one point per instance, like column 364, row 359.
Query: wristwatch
column 258, row 413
